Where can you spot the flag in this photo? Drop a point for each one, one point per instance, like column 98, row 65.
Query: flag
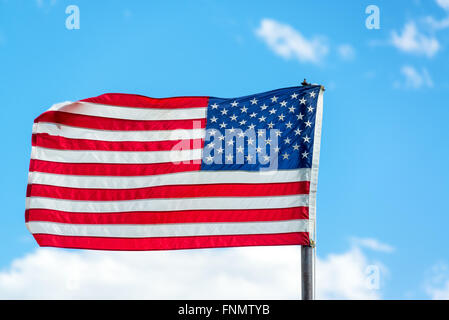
column 129, row 172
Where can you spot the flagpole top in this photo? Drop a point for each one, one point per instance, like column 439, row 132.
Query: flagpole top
column 305, row 83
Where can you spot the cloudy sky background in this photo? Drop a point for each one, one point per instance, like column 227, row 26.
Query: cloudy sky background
column 383, row 185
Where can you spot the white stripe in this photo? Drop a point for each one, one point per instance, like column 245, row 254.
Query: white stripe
column 167, row 230
column 186, row 178
column 81, row 156
column 129, row 113
column 109, row 135
column 171, row 204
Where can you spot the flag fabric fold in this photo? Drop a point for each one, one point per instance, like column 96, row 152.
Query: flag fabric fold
column 129, row 172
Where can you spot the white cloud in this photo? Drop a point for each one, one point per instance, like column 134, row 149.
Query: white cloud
column 443, row 4
column 344, row 276
column 346, row 52
column 373, row 244
column 437, row 285
column 439, row 24
column 290, row 43
column 414, row 79
column 413, row 41
column 234, row 273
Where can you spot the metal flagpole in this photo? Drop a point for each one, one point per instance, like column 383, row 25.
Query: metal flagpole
column 307, row 290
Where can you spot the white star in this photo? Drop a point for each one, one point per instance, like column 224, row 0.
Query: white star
column 262, row 119
column 221, row 138
column 285, row 156
column 244, row 109
column 231, row 130
column 300, row 116
column 213, row 119
column 266, row 158
column 294, row 96
column 271, row 125
column 263, row 107
column 252, row 115
column 287, row 140
column 249, row 158
column 229, row 157
column 223, row 112
column 308, row 123
column 214, row 106
column 274, row 99
column 251, row 126
column 212, row 132
column 272, row 111
column 312, row 94
column 223, row 125
column 259, row 150
column 306, row 139
column 289, row 125
column 302, row 100
column 250, row 141
column 295, row 146
column 278, row 133
column 268, row 141
column 310, row 109
column 211, row 145
column 220, row 150
column 284, row 103
column 297, row 132
column 242, row 122
column 291, row 109
column 234, row 104
column 305, row 154
column 254, row 101
column 281, row 117
column 260, row 132
column 276, row 149
column 240, row 149
column 233, row 117
column 209, row 158
column 230, row 142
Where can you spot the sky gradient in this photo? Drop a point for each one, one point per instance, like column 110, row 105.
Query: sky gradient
column 383, row 180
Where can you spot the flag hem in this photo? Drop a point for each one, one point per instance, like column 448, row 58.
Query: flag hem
column 315, row 166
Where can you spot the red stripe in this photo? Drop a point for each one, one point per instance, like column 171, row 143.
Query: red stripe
column 175, row 191
column 94, row 122
column 172, row 243
column 133, row 100
column 111, row 169
column 56, row 142
column 156, row 217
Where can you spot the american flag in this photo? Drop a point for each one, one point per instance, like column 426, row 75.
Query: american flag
column 129, row 172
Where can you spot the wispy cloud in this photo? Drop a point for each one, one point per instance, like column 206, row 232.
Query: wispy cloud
column 414, row 79
column 411, row 40
column 237, row 273
column 372, row 244
column 437, row 284
column 346, row 52
column 289, row 43
column 41, row 3
column 439, row 24
column 443, row 4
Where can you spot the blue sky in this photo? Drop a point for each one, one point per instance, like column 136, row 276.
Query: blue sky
column 383, row 184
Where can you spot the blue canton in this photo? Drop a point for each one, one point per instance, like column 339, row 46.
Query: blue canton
column 267, row 131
